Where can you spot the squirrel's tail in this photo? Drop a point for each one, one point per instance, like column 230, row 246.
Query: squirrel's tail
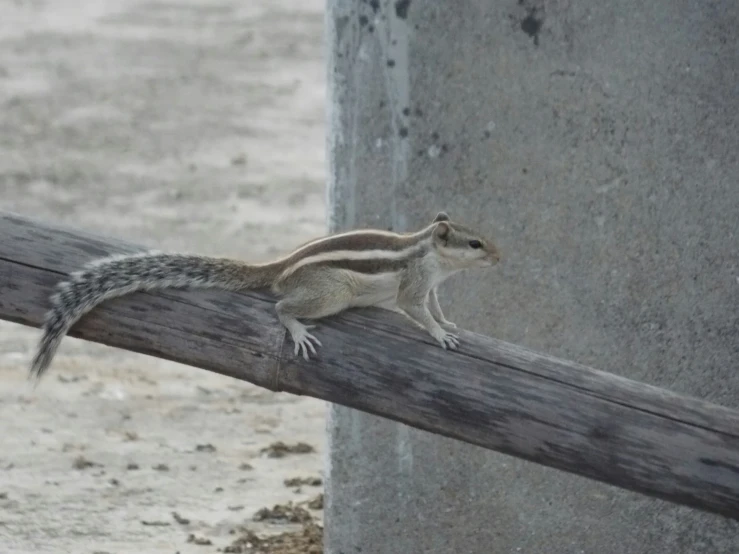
column 115, row 276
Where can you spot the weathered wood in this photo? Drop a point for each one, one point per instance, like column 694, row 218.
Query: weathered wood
column 489, row 393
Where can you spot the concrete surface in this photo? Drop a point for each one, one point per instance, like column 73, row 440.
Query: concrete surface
column 598, row 140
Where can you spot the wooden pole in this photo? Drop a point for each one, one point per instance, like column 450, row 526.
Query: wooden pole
column 489, row 393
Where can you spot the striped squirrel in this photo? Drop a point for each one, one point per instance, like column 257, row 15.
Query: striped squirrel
column 395, row 271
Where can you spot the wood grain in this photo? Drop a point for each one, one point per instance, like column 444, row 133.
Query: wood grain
column 489, row 393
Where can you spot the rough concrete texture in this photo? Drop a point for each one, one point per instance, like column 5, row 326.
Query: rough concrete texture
column 598, row 140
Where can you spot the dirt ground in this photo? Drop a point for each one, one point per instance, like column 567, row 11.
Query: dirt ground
column 185, row 125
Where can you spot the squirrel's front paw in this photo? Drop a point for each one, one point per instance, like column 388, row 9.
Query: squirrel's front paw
column 448, row 341
column 448, row 324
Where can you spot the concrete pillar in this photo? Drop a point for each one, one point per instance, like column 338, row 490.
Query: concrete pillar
column 598, row 141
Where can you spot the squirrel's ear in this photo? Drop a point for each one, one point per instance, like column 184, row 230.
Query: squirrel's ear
column 441, row 231
column 441, row 216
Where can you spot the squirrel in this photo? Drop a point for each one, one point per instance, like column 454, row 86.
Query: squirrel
column 361, row 268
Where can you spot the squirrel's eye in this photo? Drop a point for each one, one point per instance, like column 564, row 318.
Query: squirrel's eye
column 475, row 244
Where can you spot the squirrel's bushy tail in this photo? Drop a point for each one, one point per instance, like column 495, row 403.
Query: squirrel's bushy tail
column 117, row 276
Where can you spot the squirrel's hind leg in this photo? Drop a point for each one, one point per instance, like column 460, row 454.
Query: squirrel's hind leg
column 312, row 294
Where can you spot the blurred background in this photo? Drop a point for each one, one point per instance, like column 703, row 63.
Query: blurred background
column 185, row 125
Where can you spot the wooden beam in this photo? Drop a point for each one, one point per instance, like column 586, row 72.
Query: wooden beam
column 489, row 393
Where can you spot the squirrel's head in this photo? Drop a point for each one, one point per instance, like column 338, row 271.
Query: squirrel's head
column 462, row 247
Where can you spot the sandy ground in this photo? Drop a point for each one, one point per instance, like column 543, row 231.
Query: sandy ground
column 185, row 125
